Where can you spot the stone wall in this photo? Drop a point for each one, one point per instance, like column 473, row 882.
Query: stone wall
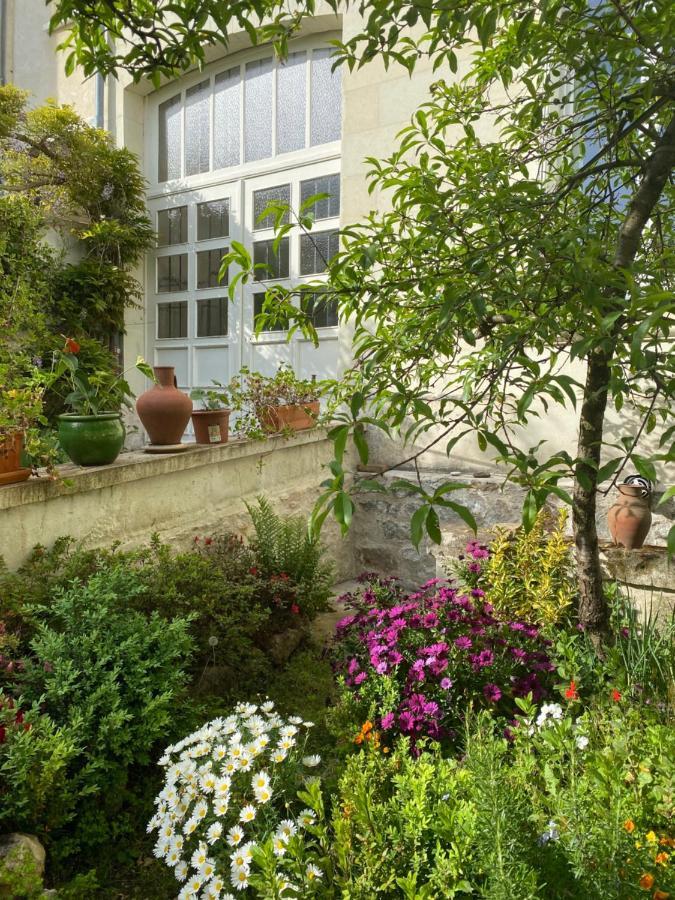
column 177, row 496
column 381, row 534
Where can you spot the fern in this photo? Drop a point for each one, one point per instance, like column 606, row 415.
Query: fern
column 283, row 544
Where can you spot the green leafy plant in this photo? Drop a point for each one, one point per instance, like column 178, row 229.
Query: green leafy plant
column 211, row 398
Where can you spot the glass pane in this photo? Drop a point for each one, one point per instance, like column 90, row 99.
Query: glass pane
column 262, row 199
column 172, row 320
column 317, row 249
column 321, row 309
column 212, row 317
column 277, row 264
column 258, row 300
column 322, row 209
column 326, row 111
column 169, row 139
column 208, row 266
column 172, row 273
column 291, row 103
column 172, row 226
column 213, row 219
column 258, row 110
column 226, row 107
column 197, row 130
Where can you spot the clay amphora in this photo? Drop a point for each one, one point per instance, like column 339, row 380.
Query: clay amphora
column 630, row 518
column 163, row 409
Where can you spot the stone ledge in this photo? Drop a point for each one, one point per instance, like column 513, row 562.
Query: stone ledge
column 137, row 465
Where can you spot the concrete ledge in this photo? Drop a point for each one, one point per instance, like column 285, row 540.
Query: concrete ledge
column 179, row 496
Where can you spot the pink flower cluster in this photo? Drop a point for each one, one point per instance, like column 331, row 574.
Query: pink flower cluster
column 443, row 650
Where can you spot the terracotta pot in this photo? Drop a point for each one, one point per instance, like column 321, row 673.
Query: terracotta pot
column 211, row 425
column 11, row 470
column 630, row 518
column 163, row 409
column 297, row 417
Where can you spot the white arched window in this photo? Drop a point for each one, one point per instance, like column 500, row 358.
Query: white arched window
column 221, row 145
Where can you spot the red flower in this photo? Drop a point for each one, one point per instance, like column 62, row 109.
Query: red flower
column 295, row 608
column 196, row 539
column 208, row 541
column 616, row 696
column 253, row 571
column 3, row 734
column 571, row 692
column 19, row 718
column 72, row 346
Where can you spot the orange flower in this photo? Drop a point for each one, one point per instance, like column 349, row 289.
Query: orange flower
column 366, row 727
column 661, row 859
column 661, row 895
column 616, row 696
column 72, row 346
column 358, row 739
column 629, row 825
column 646, row 881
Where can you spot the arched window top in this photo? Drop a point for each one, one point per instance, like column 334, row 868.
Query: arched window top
column 256, row 110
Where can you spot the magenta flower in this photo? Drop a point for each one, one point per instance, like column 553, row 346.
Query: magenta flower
column 387, row 721
column 463, row 642
column 446, row 683
column 492, row 692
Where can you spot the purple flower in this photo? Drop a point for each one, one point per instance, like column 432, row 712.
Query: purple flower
column 446, row 683
column 483, row 659
column 360, row 678
column 387, row 721
column 463, row 642
column 492, row 692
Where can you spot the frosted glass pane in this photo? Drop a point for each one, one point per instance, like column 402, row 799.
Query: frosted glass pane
column 328, row 184
column 291, row 103
column 316, row 251
column 227, row 104
column 169, row 139
column 326, row 112
column 258, row 110
column 197, row 131
column 262, row 199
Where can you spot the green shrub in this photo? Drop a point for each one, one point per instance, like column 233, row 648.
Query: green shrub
column 34, row 760
column 528, row 574
column 112, row 678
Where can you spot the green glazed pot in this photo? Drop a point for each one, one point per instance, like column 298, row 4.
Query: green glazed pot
column 92, row 440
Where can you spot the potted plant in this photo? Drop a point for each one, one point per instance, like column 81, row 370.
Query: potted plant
column 24, row 444
column 93, row 433
column 272, row 404
column 211, row 423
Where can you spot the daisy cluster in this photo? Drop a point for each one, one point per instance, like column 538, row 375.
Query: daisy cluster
column 218, row 799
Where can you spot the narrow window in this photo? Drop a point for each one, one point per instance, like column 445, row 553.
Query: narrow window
column 226, row 107
column 291, row 103
column 276, row 263
column 213, row 219
column 208, row 266
column 326, row 106
column 212, row 317
column 197, row 128
column 258, row 110
column 172, row 320
column 262, row 199
column 169, row 139
column 316, row 251
column 329, row 208
column 172, row 226
column 172, row 273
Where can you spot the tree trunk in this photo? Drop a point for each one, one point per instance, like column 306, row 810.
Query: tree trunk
column 593, row 610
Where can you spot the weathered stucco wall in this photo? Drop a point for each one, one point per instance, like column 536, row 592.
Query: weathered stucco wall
column 178, row 496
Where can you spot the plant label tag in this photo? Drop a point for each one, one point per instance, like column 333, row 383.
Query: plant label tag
column 214, row 434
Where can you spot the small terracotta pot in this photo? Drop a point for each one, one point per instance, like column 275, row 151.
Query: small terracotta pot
column 163, row 409
column 297, row 417
column 212, row 426
column 11, row 470
column 630, row 518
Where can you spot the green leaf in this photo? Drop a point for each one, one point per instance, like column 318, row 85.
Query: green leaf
column 417, row 521
column 671, row 542
column 644, row 466
column 361, row 444
column 667, row 494
column 433, row 526
column 529, row 511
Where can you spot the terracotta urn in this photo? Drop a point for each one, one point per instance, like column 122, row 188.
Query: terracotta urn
column 163, row 409
column 296, row 417
column 630, row 518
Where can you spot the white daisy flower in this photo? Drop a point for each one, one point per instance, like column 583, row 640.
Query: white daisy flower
column 287, row 828
column 235, row 836
column 239, row 860
column 311, row 761
column 220, row 752
column 200, row 856
column 261, row 780
column 181, row 871
column 214, row 832
column 262, row 795
column 208, row 870
column 268, row 707
column 279, row 845
column 278, row 756
column 313, row 872
column 247, row 814
column 582, row 742
column 239, row 879
column 306, row 817
column 295, row 720
column 201, row 809
column 220, row 807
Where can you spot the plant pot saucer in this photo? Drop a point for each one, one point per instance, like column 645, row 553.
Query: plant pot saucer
column 168, row 448
column 15, row 477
